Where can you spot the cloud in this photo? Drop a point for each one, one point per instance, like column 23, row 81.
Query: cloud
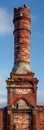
column 40, row 98
column 3, row 103
column 3, row 99
column 3, row 94
column 3, row 90
column 2, row 82
column 5, row 22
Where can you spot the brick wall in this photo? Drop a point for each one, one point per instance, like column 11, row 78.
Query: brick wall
column 40, row 118
column 3, row 119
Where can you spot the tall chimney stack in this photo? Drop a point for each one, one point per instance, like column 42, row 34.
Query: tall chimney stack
column 22, row 32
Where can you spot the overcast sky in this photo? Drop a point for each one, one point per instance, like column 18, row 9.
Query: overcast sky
column 7, row 43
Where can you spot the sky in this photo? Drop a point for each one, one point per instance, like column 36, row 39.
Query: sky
column 7, row 44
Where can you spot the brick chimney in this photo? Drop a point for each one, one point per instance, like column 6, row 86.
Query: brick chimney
column 22, row 32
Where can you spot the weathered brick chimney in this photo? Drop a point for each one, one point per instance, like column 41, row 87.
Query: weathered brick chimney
column 22, row 85
column 22, row 32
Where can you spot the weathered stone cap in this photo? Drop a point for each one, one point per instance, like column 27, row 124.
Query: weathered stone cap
column 22, row 68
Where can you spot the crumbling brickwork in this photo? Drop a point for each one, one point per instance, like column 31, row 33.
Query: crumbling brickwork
column 22, row 34
column 3, row 118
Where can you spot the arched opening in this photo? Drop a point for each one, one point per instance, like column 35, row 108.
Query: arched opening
column 21, row 104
